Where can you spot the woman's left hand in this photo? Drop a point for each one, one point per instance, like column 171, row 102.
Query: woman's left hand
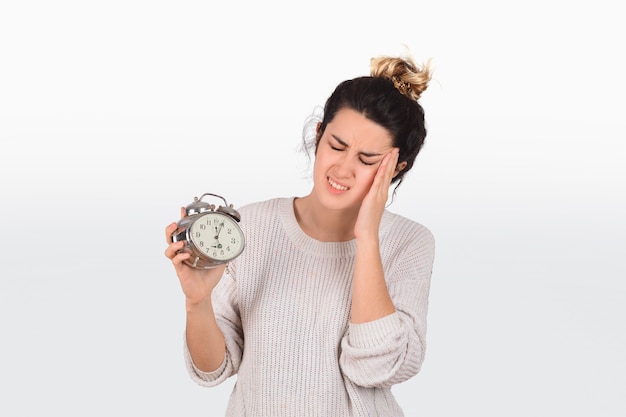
column 373, row 205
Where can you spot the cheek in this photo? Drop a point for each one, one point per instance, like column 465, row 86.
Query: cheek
column 317, row 165
column 323, row 160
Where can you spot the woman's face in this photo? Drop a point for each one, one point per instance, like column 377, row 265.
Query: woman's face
column 347, row 158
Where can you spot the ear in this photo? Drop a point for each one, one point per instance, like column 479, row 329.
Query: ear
column 318, row 135
column 399, row 167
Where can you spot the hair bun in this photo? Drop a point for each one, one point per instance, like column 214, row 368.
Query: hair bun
column 410, row 79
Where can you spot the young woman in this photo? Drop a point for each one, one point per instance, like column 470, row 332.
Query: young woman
column 326, row 308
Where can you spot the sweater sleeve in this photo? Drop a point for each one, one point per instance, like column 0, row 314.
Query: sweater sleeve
column 391, row 350
column 225, row 305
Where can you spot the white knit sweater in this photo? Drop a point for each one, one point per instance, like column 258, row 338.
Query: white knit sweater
column 284, row 309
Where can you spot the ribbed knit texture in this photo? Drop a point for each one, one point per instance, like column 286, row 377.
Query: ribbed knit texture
column 284, row 309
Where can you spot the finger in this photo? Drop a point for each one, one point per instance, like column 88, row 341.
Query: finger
column 393, row 166
column 393, row 161
column 179, row 258
column 173, row 248
column 388, row 166
column 169, row 231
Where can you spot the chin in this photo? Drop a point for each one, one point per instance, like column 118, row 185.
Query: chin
column 339, row 201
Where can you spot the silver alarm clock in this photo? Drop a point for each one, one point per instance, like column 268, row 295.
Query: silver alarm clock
column 211, row 234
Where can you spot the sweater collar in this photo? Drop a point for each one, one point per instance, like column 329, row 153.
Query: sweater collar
column 313, row 246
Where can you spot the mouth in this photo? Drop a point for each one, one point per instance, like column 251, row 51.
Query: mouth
column 336, row 186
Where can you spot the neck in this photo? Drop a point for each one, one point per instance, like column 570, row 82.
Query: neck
column 323, row 224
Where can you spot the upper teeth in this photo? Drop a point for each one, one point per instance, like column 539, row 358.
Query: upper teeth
column 337, row 186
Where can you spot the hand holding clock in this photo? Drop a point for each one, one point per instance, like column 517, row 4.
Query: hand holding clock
column 197, row 284
column 195, row 249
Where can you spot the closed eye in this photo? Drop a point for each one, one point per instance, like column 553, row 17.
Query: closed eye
column 342, row 146
column 341, row 149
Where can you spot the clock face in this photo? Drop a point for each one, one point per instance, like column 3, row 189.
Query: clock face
column 217, row 236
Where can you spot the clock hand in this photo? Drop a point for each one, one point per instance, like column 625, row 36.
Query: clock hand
column 217, row 235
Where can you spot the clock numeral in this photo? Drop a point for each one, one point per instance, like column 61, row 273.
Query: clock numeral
column 202, row 227
column 201, row 243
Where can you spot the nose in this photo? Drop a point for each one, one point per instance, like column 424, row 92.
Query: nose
column 343, row 166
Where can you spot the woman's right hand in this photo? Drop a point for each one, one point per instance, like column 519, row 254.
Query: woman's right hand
column 197, row 284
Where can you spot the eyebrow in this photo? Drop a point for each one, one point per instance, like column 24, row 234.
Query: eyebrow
column 366, row 154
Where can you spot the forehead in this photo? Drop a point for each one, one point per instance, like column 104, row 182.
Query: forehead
column 354, row 129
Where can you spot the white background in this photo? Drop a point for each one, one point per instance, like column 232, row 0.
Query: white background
column 114, row 114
